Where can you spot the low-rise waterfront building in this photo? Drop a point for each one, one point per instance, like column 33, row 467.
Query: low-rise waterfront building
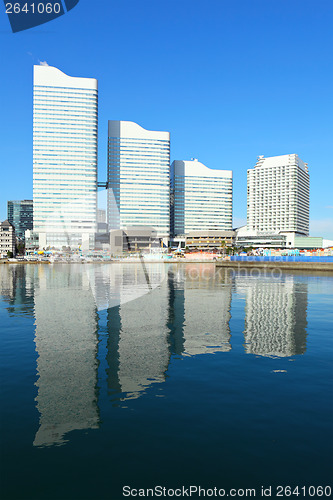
column 256, row 239
column 31, row 240
column 209, row 240
column 135, row 239
column 270, row 239
column 7, row 238
column 303, row 242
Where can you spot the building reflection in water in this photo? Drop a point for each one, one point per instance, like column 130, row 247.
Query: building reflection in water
column 116, row 284
column 17, row 288
column 187, row 314
column 275, row 315
column 137, row 346
column 207, row 301
column 154, row 312
column 66, row 343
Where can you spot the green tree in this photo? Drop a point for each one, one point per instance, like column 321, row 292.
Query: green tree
column 20, row 248
column 223, row 245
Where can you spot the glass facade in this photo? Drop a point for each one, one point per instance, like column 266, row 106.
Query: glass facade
column 65, row 118
column 20, row 215
column 138, row 177
column 201, row 198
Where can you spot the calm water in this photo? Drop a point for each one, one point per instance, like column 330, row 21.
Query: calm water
column 146, row 375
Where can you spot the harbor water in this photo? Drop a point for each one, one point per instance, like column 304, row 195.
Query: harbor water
column 127, row 377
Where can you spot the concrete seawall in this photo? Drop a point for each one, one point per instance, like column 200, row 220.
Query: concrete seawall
column 299, row 266
column 238, row 264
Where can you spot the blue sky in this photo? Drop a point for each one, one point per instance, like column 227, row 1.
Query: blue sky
column 230, row 79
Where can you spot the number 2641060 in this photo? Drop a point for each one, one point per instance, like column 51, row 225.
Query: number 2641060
column 33, row 8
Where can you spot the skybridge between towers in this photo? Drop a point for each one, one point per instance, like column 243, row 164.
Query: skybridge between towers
column 103, row 185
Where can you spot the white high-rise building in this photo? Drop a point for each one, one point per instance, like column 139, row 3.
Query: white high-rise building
column 278, row 195
column 65, row 118
column 138, row 177
column 201, row 198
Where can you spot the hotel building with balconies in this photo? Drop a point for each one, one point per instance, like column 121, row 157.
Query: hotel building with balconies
column 277, row 202
column 278, row 195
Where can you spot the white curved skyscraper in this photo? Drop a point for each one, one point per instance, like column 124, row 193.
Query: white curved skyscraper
column 201, row 198
column 138, row 177
column 65, row 118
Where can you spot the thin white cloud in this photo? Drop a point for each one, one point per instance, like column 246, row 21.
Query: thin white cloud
column 329, row 206
column 43, row 63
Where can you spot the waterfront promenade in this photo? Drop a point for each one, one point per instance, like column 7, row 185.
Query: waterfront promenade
column 288, row 263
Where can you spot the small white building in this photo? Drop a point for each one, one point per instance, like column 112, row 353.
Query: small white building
column 7, row 238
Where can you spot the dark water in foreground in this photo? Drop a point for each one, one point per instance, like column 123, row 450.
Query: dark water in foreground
column 193, row 377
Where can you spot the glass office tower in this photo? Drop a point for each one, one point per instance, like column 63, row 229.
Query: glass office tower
column 201, row 198
column 138, row 177
column 64, row 158
column 20, row 215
